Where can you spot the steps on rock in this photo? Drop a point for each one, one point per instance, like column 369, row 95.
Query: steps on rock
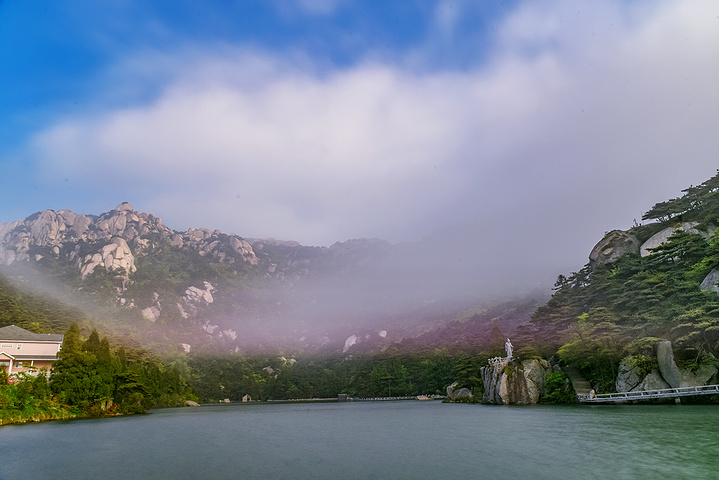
column 581, row 385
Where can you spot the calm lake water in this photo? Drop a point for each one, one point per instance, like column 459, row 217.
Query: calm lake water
column 372, row 440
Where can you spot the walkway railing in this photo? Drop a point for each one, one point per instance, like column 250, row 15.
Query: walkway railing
column 383, row 399
column 650, row 394
column 499, row 361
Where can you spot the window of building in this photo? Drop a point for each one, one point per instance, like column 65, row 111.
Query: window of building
column 6, row 345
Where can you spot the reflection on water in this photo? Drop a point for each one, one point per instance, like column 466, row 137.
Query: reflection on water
column 372, row 440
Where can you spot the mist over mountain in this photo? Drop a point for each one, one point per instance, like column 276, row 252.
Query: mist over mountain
column 205, row 289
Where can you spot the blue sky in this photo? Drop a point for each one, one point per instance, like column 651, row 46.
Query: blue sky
column 496, row 123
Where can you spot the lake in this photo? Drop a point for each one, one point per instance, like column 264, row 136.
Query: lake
column 372, row 440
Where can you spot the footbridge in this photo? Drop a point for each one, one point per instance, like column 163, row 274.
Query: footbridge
column 648, row 394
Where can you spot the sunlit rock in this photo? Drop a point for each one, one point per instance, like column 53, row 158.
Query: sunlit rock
column 78, row 224
column 113, row 257
column 196, row 295
column 45, row 228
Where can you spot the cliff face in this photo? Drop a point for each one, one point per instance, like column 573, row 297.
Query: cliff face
column 513, row 382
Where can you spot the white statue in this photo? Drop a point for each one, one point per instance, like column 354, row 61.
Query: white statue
column 508, row 347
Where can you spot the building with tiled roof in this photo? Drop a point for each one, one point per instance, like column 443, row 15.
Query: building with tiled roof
column 25, row 351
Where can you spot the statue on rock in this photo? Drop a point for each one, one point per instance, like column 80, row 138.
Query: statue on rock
column 508, row 348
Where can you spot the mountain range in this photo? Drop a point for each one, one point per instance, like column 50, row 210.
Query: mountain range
column 204, row 289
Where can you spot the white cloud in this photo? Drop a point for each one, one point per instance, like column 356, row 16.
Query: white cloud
column 585, row 114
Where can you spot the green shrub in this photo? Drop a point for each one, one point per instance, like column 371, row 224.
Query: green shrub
column 558, row 389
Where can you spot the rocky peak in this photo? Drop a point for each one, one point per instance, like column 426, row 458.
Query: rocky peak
column 116, row 256
column 119, row 235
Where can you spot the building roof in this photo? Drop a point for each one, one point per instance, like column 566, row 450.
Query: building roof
column 17, row 334
column 35, row 357
column 4, row 354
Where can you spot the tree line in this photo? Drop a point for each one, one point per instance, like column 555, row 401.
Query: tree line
column 325, row 376
column 91, row 379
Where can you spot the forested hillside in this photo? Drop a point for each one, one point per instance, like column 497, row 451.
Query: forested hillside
column 34, row 311
column 662, row 286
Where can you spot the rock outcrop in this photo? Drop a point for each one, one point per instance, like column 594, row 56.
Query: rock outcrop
column 195, row 296
column 631, row 378
column 49, row 233
column 116, row 256
column 711, row 281
column 704, row 375
column 667, row 366
column 661, row 237
column 454, row 394
column 614, row 245
column 349, row 342
column 652, row 381
column 365, row 340
column 513, row 382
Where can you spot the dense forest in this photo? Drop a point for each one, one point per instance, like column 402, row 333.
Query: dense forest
column 325, row 376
